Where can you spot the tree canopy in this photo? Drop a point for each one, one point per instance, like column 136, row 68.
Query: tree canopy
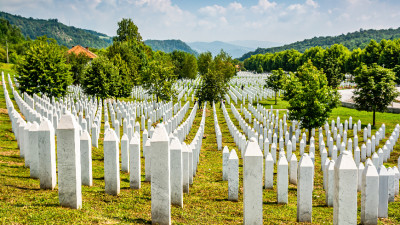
column 98, row 78
column 215, row 76
column 158, row 77
column 127, row 31
column 43, row 69
column 310, row 98
column 275, row 81
column 375, row 88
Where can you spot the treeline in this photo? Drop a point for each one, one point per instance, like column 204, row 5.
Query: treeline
column 354, row 40
column 47, row 68
column 169, row 46
column 335, row 60
column 11, row 40
column 63, row 34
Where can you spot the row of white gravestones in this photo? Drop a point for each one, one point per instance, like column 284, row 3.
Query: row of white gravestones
column 252, row 183
column 239, row 138
column 217, row 129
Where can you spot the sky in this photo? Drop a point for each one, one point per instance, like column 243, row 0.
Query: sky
column 281, row 21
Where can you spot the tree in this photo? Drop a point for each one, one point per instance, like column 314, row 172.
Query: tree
column 185, row 64
column 158, row 77
column 121, row 82
column 353, row 61
column 189, row 69
column 127, row 31
column 203, row 62
column 375, row 88
column 275, row 81
column 98, row 77
column 311, row 99
column 78, row 63
column 333, row 63
column 390, row 54
column 371, row 53
column 44, row 69
column 133, row 53
column 214, row 83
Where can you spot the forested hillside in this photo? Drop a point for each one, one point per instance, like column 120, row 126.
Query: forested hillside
column 169, row 46
column 357, row 39
column 63, row 34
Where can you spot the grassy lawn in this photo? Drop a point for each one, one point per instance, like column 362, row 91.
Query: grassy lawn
column 22, row 201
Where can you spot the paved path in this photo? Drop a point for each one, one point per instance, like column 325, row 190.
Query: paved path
column 346, row 95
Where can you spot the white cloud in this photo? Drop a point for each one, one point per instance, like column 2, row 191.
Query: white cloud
column 312, row 3
column 263, row 5
column 235, row 6
column 214, row 10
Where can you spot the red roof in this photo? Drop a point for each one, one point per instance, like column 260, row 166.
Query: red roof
column 79, row 49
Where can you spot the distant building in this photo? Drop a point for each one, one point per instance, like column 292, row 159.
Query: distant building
column 79, row 49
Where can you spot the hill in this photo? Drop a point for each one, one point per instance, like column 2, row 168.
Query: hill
column 63, row 34
column 169, row 46
column 254, row 44
column 357, row 39
column 216, row 46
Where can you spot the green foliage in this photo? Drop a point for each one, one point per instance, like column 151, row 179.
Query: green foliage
column 390, row 54
column 98, row 77
column 310, row 97
column 375, row 88
column 354, row 60
column 78, row 63
column 122, row 82
column 44, row 69
column 354, row 40
column 214, row 83
column 133, row 53
column 275, row 81
column 185, row 64
column 10, row 33
column 12, row 39
column 335, row 60
column 333, row 64
column 158, row 77
column 396, row 71
column 63, row 34
column 127, row 31
column 203, row 62
column 371, row 53
column 169, row 46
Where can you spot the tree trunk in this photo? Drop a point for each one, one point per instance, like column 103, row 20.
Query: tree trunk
column 373, row 120
column 275, row 98
column 309, row 136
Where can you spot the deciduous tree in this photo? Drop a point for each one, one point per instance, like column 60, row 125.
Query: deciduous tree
column 43, row 69
column 311, row 99
column 275, row 81
column 375, row 88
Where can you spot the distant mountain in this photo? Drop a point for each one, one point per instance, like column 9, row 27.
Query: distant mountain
column 255, row 44
column 216, row 46
column 169, row 46
column 63, row 34
column 357, row 39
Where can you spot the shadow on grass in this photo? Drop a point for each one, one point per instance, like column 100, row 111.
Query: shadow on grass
column 270, row 203
column 23, row 188
column 48, row 205
column 16, row 176
column 136, row 221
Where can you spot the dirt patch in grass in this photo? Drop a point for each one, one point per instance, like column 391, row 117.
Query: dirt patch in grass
column 7, row 153
column 12, row 163
column 3, row 111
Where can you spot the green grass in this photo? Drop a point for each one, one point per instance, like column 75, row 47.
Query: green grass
column 22, row 201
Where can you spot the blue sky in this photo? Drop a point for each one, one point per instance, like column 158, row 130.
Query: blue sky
column 282, row 21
